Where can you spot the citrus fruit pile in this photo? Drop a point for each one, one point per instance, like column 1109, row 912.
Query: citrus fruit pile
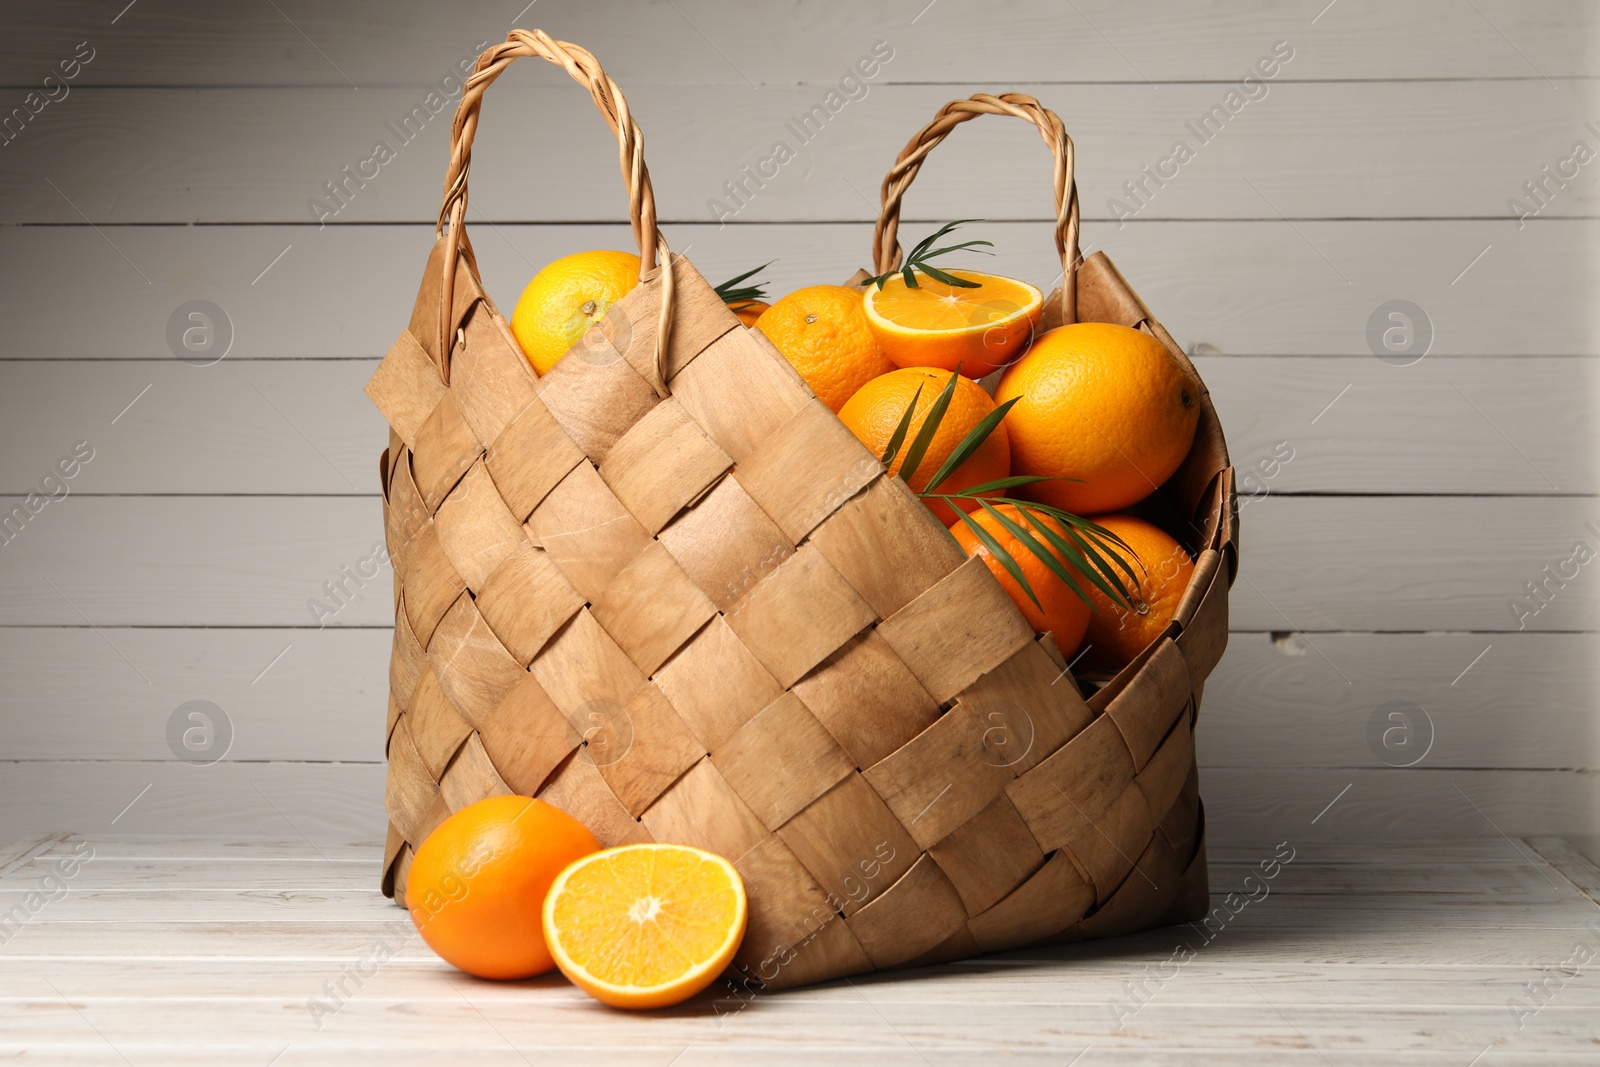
column 1076, row 425
column 945, row 375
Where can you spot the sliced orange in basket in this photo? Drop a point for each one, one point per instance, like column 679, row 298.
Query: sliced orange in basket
column 645, row 926
column 941, row 325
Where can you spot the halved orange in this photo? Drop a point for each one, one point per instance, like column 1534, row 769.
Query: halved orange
column 645, row 926
column 942, row 325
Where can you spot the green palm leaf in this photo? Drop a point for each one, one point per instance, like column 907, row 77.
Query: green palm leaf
column 949, row 279
column 947, row 249
column 929, row 427
column 999, row 485
column 1006, row 561
column 1080, row 554
column 921, row 255
column 734, row 292
column 970, row 443
column 898, row 437
column 1031, row 543
column 1106, row 562
column 1076, row 526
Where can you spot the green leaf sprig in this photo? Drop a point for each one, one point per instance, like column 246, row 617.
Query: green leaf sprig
column 736, row 294
column 1077, row 548
column 918, row 260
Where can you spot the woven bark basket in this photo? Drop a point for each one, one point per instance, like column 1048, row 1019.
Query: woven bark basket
column 666, row 590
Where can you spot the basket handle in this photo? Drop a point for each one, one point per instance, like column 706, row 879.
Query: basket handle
column 886, row 243
column 613, row 107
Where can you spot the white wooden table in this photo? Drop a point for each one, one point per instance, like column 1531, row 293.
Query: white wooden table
column 162, row 951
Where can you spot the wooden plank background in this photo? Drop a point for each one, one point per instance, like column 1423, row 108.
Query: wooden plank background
column 1383, row 161
column 202, row 953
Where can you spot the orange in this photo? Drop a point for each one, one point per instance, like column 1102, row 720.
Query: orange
column 1116, row 635
column 749, row 311
column 1103, row 404
column 477, row 882
column 823, row 332
column 645, row 926
column 874, row 413
column 567, row 297
column 941, row 325
column 1060, row 611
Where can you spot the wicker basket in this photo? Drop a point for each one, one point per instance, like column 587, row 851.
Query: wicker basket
column 665, row 589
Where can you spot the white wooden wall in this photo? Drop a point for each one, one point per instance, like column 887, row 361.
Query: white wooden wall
column 1379, row 566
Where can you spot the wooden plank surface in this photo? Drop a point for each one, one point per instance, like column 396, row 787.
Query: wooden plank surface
column 288, row 694
column 334, row 907
column 1306, row 288
column 1381, row 563
column 1506, row 700
column 1099, row 40
column 1494, row 426
column 1522, row 700
column 1253, row 806
column 1354, row 952
column 132, row 867
column 212, row 852
column 1401, row 563
column 1274, row 724
column 995, row 980
column 1579, row 868
column 321, row 800
column 1309, row 150
column 1383, row 806
column 1471, row 426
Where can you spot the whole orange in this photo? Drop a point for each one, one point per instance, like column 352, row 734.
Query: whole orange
column 875, row 412
column 1103, row 404
column 822, row 331
column 567, row 297
column 1060, row 611
column 478, row 883
column 1116, row 635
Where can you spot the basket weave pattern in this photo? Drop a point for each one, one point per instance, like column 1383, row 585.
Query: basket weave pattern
column 669, row 547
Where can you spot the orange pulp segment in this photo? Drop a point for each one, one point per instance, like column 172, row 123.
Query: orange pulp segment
column 942, row 325
column 647, row 925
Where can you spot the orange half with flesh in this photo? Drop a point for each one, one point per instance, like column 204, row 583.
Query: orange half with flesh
column 936, row 324
column 645, row 926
